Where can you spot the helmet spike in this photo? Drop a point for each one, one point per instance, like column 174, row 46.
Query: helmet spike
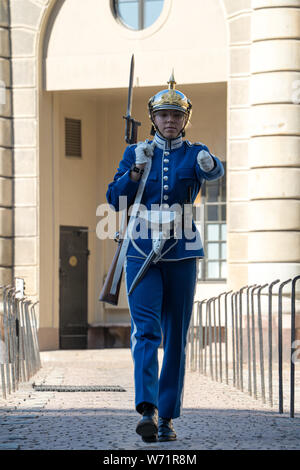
column 171, row 81
column 169, row 99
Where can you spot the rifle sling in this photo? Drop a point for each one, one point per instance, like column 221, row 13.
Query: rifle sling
column 125, row 244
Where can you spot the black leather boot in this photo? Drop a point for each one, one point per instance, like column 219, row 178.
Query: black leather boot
column 147, row 426
column 150, row 438
column 166, row 431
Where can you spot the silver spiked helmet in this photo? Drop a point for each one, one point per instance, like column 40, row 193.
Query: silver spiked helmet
column 170, row 99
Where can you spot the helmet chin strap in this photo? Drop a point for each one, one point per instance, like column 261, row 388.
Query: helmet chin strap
column 154, row 130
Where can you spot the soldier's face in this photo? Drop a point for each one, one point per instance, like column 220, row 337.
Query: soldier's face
column 169, row 123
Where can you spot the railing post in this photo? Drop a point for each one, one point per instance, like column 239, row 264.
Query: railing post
column 270, row 343
column 190, row 351
column 233, row 338
column 241, row 336
column 25, row 343
column 30, row 337
column 293, row 338
column 22, row 341
column 219, row 334
column 226, row 336
column 210, row 340
column 13, row 338
column 15, row 324
column 215, row 338
column 196, row 327
column 206, row 333
column 249, row 341
column 261, row 344
column 37, row 362
column 253, row 342
column 10, row 335
column 36, row 336
column 280, row 344
column 237, row 341
column 3, row 381
column 200, row 336
column 7, row 340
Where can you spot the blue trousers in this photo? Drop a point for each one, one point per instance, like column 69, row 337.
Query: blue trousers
column 160, row 308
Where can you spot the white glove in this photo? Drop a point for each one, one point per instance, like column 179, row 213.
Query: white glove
column 143, row 152
column 205, row 161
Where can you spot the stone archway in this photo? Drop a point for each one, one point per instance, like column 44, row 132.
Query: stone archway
column 28, row 31
column 45, row 159
column 20, row 62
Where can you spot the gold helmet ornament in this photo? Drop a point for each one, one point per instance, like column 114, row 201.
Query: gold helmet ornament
column 170, row 99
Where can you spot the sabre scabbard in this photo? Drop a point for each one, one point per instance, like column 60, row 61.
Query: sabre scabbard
column 140, row 275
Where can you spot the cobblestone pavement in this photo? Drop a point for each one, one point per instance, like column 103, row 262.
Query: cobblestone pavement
column 214, row 416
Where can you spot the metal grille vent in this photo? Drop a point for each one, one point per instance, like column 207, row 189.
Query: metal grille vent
column 77, row 388
column 73, row 137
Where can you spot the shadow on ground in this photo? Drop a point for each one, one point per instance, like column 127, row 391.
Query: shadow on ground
column 104, row 429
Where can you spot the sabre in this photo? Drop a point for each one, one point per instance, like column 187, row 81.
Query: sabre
column 131, row 124
column 166, row 223
column 153, row 257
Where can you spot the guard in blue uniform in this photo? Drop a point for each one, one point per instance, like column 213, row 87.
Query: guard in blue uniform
column 161, row 301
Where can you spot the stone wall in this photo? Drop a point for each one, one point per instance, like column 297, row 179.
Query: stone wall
column 263, row 141
column 239, row 20
column 25, row 29
column 274, row 156
column 6, row 143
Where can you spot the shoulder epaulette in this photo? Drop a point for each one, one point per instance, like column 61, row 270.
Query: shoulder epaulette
column 190, row 144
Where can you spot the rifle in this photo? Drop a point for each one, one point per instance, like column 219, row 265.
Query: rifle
column 131, row 129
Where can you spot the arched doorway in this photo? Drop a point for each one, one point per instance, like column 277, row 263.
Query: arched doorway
column 89, row 86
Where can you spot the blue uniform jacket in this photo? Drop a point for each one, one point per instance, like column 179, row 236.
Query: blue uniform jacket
column 174, row 169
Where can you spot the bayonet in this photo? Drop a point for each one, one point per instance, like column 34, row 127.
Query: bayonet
column 131, row 124
column 131, row 75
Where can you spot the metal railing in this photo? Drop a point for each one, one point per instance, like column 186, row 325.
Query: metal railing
column 228, row 342
column 20, row 356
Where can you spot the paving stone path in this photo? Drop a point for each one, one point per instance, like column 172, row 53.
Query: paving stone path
column 214, row 415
